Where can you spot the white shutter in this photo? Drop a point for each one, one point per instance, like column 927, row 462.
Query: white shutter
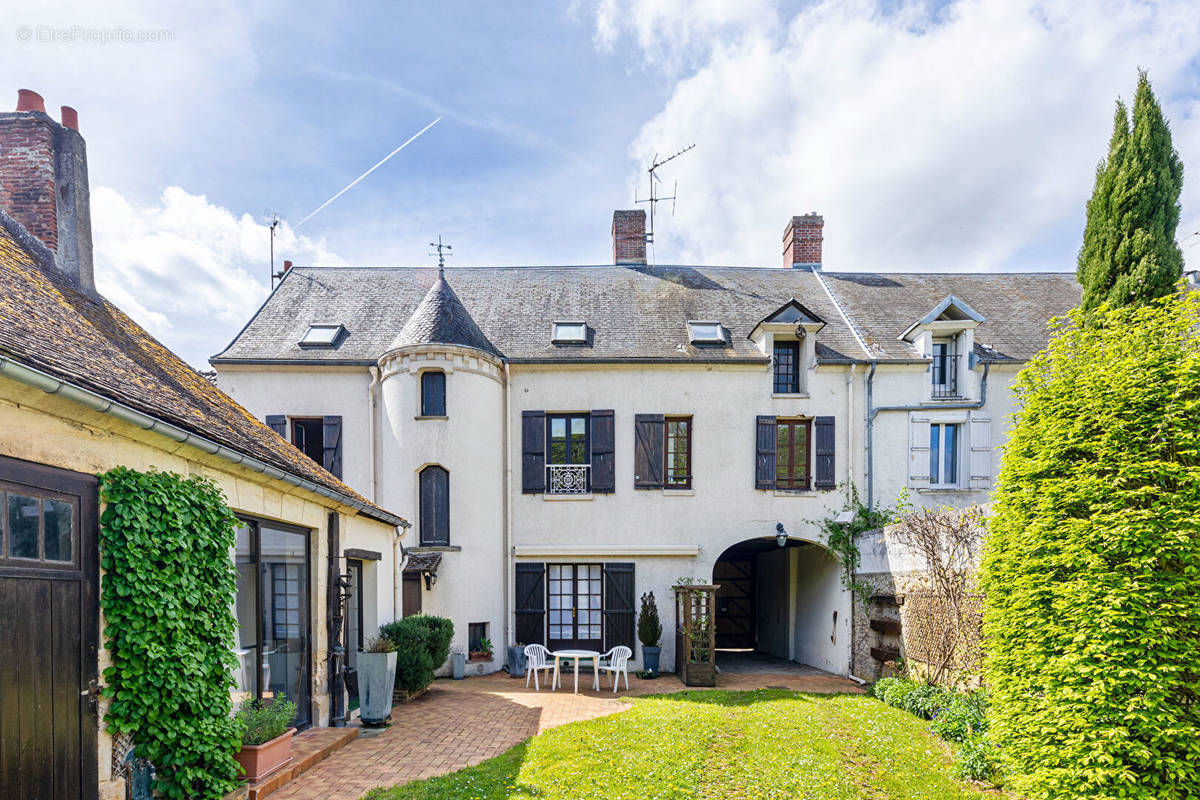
column 918, row 451
column 981, row 451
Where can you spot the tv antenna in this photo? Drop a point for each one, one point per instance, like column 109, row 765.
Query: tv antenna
column 443, row 250
column 274, row 275
column 654, row 199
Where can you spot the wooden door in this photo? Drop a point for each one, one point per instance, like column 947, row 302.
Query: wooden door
column 575, row 594
column 48, row 630
column 412, row 593
column 735, row 603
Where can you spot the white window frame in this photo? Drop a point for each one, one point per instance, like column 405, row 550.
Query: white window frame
column 557, row 332
column 696, row 326
column 322, row 335
column 939, row 427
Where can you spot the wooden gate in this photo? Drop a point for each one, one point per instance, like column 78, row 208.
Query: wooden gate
column 49, row 628
column 735, row 602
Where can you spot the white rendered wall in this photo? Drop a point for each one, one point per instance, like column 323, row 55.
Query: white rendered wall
column 820, row 641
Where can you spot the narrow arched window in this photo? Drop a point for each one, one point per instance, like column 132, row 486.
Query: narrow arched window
column 435, row 506
column 433, row 393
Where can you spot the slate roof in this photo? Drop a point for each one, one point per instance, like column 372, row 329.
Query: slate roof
column 640, row 313
column 442, row 319
column 47, row 325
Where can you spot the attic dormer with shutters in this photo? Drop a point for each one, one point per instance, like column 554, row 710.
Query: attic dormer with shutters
column 788, row 336
column 946, row 336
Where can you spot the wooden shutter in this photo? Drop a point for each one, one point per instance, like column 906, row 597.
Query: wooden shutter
column 331, row 445
column 824, row 448
column 435, row 506
column 533, row 452
column 764, row 453
column 918, row 451
column 618, row 605
column 530, row 604
column 981, row 451
column 604, row 479
column 648, row 451
column 278, row 423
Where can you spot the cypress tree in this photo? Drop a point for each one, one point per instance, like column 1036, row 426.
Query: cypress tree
column 1129, row 255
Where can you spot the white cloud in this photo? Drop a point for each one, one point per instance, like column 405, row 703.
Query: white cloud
column 189, row 271
column 962, row 137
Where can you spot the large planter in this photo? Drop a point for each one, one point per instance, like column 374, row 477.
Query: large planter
column 458, row 666
column 696, row 674
column 260, row 760
column 650, row 657
column 376, row 679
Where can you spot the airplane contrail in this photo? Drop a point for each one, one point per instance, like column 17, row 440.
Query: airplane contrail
column 382, row 161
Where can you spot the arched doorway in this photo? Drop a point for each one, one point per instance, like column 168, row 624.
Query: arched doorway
column 781, row 608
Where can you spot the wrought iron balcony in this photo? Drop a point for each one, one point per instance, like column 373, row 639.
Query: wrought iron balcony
column 568, row 478
column 945, row 377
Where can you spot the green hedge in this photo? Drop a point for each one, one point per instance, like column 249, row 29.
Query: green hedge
column 168, row 591
column 1092, row 566
column 422, row 645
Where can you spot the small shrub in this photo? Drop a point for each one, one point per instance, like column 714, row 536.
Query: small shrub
column 881, row 686
column 379, row 644
column 924, row 700
column 422, row 645
column 898, row 692
column 649, row 626
column 976, row 760
column 963, row 716
column 262, row 722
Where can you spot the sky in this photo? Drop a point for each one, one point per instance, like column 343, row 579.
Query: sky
column 936, row 136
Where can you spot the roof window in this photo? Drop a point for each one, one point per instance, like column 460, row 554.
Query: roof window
column 570, row 333
column 705, row 332
column 322, row 335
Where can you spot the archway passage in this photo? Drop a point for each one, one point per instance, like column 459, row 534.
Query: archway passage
column 780, row 609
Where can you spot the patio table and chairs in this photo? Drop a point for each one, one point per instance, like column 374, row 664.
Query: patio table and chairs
column 537, row 659
column 615, row 662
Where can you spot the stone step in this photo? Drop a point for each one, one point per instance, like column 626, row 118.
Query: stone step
column 308, row 749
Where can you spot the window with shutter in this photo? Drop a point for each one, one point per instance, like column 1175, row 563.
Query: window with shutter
column 533, row 452
column 433, row 393
column 278, row 423
column 648, row 451
column 530, row 605
column 603, row 464
column 677, row 465
column 824, row 447
column 619, row 599
column 435, row 506
column 793, row 438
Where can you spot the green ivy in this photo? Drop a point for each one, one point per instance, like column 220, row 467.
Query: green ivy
column 1091, row 569
column 168, row 591
column 842, row 538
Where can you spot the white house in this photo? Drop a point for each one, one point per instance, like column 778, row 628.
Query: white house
column 573, row 437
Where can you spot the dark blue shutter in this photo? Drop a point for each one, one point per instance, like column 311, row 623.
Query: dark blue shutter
column 530, row 606
column 604, row 480
column 433, row 394
column 278, row 423
column 331, row 449
column 648, row 439
column 764, row 453
column 618, row 605
column 533, row 452
column 435, row 506
column 823, row 433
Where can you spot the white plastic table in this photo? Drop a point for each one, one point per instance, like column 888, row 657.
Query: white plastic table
column 577, row 656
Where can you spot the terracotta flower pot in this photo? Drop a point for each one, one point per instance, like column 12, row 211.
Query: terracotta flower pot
column 260, row 760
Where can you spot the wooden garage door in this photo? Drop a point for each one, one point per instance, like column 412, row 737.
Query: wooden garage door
column 48, row 627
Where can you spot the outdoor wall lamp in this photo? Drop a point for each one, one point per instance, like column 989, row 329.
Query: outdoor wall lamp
column 430, row 580
column 781, row 535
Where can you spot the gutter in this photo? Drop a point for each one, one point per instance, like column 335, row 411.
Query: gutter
column 98, row 402
column 872, row 411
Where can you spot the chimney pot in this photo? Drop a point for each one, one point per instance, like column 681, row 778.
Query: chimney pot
column 70, row 118
column 802, row 241
column 629, row 236
column 29, row 100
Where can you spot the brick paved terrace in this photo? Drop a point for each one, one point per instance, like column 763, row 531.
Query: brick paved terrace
column 460, row 723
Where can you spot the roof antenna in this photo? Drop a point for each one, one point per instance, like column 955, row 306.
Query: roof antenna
column 654, row 199
column 274, row 275
column 443, row 250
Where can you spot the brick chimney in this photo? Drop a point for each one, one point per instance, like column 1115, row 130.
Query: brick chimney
column 44, row 184
column 802, row 241
column 629, row 237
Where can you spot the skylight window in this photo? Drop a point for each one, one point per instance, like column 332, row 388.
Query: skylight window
column 570, row 332
column 706, row 332
column 322, row 335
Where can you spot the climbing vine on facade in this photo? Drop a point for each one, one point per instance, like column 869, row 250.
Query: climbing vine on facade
column 842, row 538
column 167, row 596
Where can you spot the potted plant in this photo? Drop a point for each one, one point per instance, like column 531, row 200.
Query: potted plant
column 650, row 633
column 266, row 737
column 484, row 653
column 376, row 679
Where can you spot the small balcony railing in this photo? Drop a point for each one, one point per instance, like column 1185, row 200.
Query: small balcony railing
column 568, row 478
column 945, row 377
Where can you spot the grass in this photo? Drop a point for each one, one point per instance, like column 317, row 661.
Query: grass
column 766, row 745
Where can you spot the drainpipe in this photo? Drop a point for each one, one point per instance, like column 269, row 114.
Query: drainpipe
column 872, row 411
column 372, row 412
column 507, row 544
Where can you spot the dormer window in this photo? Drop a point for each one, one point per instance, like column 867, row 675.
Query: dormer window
column 322, row 336
column 705, row 332
column 787, row 366
column 944, row 369
column 570, row 333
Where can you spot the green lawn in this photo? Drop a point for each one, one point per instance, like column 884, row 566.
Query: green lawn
column 761, row 745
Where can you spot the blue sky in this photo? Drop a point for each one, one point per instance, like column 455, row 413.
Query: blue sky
column 945, row 136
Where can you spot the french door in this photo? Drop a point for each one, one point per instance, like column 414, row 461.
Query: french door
column 273, row 615
column 576, row 607
column 353, row 638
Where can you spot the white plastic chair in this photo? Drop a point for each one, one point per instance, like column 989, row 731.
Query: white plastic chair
column 616, row 663
column 537, row 658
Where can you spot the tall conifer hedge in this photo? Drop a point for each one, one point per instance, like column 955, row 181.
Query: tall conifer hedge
column 1092, row 567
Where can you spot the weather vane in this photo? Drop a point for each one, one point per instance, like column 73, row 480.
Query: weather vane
column 443, row 250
